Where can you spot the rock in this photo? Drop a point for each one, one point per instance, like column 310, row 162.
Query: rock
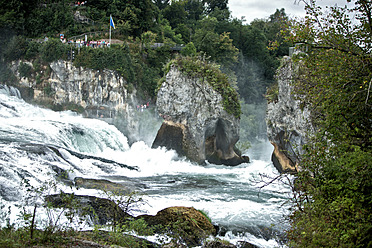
column 173, row 136
column 218, row 244
column 245, row 244
column 100, row 94
column 105, row 185
column 288, row 124
column 196, row 124
column 101, row 211
column 187, row 223
column 107, row 237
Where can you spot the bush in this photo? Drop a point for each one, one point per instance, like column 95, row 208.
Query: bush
column 54, row 50
column 25, row 70
column 15, row 49
column 33, row 49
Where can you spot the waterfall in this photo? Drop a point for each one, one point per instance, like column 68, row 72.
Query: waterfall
column 38, row 144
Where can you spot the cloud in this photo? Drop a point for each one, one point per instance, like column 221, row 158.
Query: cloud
column 253, row 9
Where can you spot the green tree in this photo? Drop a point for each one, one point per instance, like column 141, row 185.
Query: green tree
column 218, row 47
column 189, row 50
column 195, row 10
column 14, row 13
column 175, row 13
column 161, row 4
column 274, row 29
column 333, row 198
column 214, row 4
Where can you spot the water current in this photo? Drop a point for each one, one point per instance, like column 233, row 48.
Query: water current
column 36, row 143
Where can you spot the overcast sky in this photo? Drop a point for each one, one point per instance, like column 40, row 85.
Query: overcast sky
column 253, row 9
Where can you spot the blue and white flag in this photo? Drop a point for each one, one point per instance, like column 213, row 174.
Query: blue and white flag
column 112, row 24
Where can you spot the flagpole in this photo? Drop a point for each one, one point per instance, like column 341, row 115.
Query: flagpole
column 110, row 31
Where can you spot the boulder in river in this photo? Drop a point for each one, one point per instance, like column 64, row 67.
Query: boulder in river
column 101, row 210
column 186, row 223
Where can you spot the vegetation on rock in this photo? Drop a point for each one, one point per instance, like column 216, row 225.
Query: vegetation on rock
column 210, row 73
column 187, row 224
column 333, row 201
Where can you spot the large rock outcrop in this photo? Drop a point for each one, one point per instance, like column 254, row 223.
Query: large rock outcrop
column 288, row 125
column 98, row 94
column 196, row 124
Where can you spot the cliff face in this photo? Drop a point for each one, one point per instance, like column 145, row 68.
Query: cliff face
column 287, row 124
column 196, row 124
column 101, row 94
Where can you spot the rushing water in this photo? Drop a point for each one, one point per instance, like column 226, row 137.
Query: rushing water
column 36, row 143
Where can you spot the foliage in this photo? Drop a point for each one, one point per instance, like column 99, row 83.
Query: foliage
column 218, row 47
column 25, row 70
column 124, row 60
column 15, row 49
column 272, row 93
column 53, row 50
column 206, row 24
column 334, row 81
column 189, row 50
column 119, row 235
column 210, row 72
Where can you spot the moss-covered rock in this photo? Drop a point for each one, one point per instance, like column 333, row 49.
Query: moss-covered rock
column 211, row 74
column 197, row 124
column 185, row 223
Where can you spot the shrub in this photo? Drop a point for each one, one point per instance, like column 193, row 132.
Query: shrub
column 25, row 70
column 15, row 49
column 53, row 50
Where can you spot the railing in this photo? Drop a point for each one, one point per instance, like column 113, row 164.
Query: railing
column 298, row 48
column 177, row 47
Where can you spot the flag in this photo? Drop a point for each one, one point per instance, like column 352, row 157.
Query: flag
column 112, row 24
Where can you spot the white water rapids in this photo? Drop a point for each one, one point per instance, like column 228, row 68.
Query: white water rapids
column 31, row 136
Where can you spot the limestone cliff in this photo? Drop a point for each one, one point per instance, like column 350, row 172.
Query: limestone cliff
column 98, row 94
column 196, row 124
column 288, row 125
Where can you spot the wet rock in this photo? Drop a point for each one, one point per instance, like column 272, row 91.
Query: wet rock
column 196, row 124
column 288, row 123
column 245, row 244
column 100, row 210
column 105, row 185
column 218, row 244
column 186, row 223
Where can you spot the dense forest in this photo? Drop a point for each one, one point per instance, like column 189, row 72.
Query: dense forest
column 332, row 193
column 203, row 27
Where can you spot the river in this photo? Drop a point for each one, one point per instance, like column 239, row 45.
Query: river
column 36, row 143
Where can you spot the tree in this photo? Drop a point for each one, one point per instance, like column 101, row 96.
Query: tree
column 189, row 50
column 175, row 13
column 195, row 10
column 213, row 4
column 161, row 4
column 334, row 81
column 218, row 47
column 14, row 13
